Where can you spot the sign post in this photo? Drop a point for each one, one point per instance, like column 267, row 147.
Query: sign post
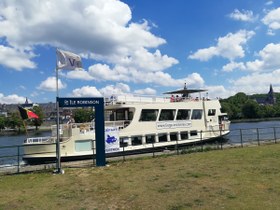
column 98, row 104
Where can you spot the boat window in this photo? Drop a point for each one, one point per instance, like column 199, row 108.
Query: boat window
column 136, row 140
column 84, row 145
column 183, row 114
column 149, row 115
column 167, row 114
column 124, row 142
column 162, row 137
column 130, row 115
column 211, row 112
column 150, row 139
column 120, row 114
column 109, row 115
column 197, row 114
column 193, row 133
column 184, row 135
column 173, row 136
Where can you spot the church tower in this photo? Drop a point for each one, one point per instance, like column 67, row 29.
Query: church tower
column 270, row 99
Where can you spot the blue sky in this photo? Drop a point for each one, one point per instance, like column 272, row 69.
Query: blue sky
column 138, row 47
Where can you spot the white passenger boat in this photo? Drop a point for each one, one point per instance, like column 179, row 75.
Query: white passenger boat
column 143, row 124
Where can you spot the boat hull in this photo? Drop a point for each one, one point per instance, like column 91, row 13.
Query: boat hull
column 35, row 160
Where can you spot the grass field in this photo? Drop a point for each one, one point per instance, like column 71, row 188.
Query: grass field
column 240, row 178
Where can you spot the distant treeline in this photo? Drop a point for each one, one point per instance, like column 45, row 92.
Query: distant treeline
column 242, row 106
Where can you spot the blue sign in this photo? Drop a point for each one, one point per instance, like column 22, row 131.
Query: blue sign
column 80, row 102
column 98, row 104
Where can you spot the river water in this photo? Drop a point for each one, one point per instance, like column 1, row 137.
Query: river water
column 11, row 146
column 240, row 132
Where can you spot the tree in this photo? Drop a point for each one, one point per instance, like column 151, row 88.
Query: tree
column 14, row 120
column 250, row 109
column 2, row 122
column 234, row 105
column 37, row 121
column 83, row 115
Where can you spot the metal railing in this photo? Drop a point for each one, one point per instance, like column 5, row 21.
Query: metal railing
column 11, row 158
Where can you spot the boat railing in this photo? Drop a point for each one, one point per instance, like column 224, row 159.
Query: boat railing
column 120, row 124
column 67, row 130
column 39, row 140
column 149, row 99
column 135, row 99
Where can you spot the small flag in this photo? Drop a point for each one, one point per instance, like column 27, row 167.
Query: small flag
column 26, row 114
column 68, row 60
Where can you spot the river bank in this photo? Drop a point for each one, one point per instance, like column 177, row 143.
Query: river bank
column 255, row 120
column 20, row 131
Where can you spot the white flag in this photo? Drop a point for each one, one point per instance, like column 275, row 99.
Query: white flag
column 68, row 60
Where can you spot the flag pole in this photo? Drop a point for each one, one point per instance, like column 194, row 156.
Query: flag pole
column 58, row 158
column 25, row 127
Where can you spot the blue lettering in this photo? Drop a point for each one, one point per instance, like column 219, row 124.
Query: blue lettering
column 72, row 62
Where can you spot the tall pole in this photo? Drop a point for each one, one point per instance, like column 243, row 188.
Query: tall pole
column 58, row 161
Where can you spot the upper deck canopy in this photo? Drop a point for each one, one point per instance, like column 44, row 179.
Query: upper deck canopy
column 185, row 91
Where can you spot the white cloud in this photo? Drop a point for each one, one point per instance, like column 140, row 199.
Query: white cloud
column 147, row 61
column 218, row 91
column 229, row 46
column 86, row 91
column 244, row 15
column 248, row 83
column 232, row 66
column 123, row 87
column 119, row 73
column 99, row 29
column 205, row 54
column 269, row 3
column 269, row 59
column 109, row 90
column 104, row 72
column 272, row 20
column 146, row 91
column 50, row 84
column 118, row 89
column 11, row 99
column 15, row 59
column 81, row 74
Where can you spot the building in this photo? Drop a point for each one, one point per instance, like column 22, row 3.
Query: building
column 270, row 98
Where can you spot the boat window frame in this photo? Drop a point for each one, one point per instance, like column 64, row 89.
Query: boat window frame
column 124, row 141
column 140, row 140
column 162, row 134
column 193, row 133
column 84, row 145
column 189, row 114
column 173, row 112
column 186, row 133
column 173, row 133
column 154, row 118
column 212, row 112
column 150, row 142
column 197, row 114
